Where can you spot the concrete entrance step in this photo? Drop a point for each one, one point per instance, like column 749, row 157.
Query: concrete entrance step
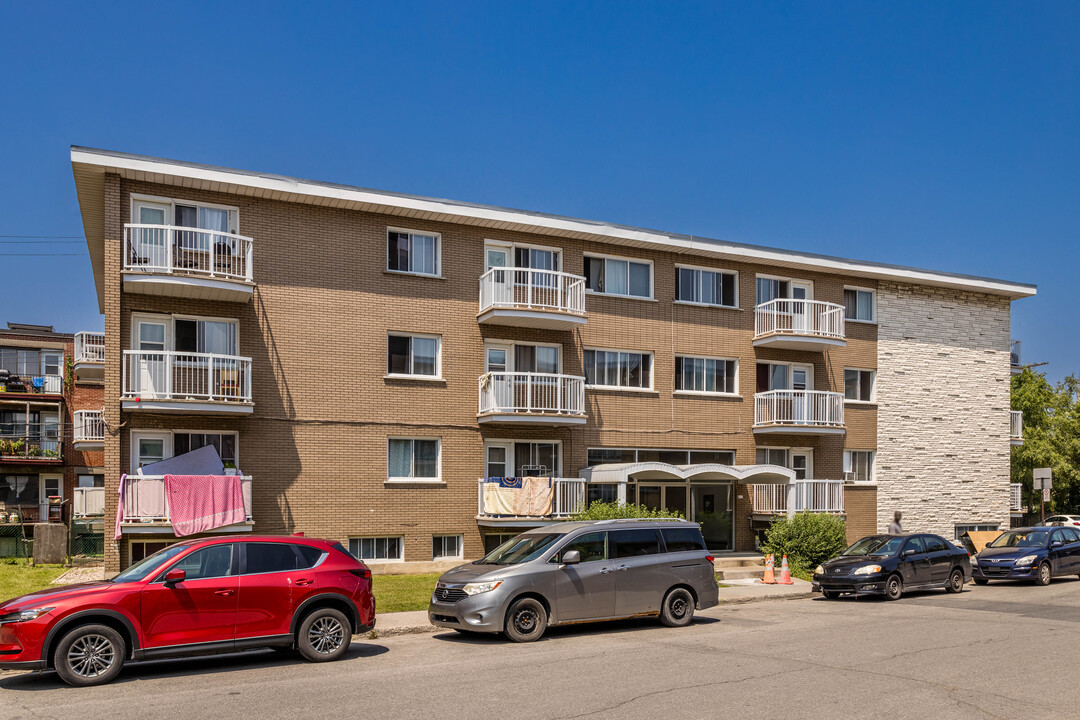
column 742, row 573
column 720, row 562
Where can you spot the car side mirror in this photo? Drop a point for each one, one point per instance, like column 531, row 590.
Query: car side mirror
column 571, row 557
column 1056, row 543
column 174, row 576
column 904, row 554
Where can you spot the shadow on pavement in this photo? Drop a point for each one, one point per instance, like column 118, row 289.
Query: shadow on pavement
column 566, row 631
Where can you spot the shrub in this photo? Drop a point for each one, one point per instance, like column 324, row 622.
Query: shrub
column 807, row 539
column 615, row 511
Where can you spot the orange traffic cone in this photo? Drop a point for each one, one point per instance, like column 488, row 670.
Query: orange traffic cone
column 785, row 574
column 770, row 574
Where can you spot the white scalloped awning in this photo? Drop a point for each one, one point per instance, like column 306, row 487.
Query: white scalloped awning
column 623, row 472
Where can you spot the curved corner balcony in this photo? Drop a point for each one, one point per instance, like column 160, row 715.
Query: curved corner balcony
column 531, row 398
column 799, row 411
column 799, row 325
column 89, row 362
column 522, row 297
column 89, row 429
column 187, row 262
column 166, row 381
column 1016, row 427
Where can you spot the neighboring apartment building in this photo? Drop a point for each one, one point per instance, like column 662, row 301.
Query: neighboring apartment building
column 52, row 435
column 367, row 358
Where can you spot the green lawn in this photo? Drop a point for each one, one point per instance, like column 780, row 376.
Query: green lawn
column 398, row 593
column 21, row 579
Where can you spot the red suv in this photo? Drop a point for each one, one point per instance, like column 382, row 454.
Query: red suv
column 195, row 597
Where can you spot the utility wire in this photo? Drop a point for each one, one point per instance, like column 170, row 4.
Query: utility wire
column 44, row 237
column 39, row 242
column 6, row 254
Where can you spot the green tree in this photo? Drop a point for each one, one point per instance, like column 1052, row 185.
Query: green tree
column 806, row 538
column 1051, row 439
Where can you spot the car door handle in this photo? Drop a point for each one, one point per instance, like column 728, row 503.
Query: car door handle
column 224, row 592
column 605, row 571
column 622, row 567
column 303, row 581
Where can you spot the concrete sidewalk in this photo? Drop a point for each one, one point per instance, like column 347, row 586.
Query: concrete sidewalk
column 741, row 591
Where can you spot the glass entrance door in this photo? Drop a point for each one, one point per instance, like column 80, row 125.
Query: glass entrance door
column 712, row 507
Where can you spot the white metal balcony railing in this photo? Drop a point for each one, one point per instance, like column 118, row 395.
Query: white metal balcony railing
column 568, row 498
column 89, row 425
column 1016, row 425
column 1014, row 353
column 88, row 501
column 89, row 347
column 522, row 392
column 1016, row 498
column 521, row 288
column 170, row 249
column 168, row 375
column 145, row 499
column 799, row 408
column 824, row 496
column 812, row 318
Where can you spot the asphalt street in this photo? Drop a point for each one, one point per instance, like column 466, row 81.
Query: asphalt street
column 1002, row 651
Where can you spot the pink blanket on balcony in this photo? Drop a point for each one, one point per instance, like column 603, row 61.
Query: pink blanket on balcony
column 198, row 503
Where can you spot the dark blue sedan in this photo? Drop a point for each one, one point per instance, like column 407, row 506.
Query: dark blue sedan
column 1035, row 553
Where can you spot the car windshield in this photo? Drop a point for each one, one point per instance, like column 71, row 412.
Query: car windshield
column 878, row 546
column 144, row 567
column 521, row 549
column 1036, row 539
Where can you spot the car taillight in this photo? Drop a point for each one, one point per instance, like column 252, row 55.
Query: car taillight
column 362, row 573
column 710, row 558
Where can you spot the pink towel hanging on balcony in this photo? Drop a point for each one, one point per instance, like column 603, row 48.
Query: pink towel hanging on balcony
column 198, row 503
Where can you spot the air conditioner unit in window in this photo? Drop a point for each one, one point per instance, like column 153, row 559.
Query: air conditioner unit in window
column 849, row 477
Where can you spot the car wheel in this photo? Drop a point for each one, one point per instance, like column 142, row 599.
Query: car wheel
column 981, row 581
column 526, row 620
column 956, row 581
column 1043, row 578
column 894, row 587
column 89, row 655
column 324, row 635
column 830, row 594
column 678, row 608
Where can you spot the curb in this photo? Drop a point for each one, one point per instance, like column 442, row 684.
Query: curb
column 786, row 596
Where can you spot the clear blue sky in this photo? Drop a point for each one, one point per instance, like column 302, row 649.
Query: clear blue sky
column 940, row 135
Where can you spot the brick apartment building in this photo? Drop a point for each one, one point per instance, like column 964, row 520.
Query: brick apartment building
column 52, row 437
column 366, row 359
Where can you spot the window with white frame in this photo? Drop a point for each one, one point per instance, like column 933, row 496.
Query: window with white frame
column 858, row 385
column 446, row 547
column 185, row 334
column 618, row 369
column 413, row 355
column 413, row 460
column 705, row 375
column 606, row 456
column 773, row 456
column 506, row 458
column 413, row 252
column 376, row 549
column 859, row 304
column 859, row 465
column 767, row 288
column 959, row 530
column 618, row 276
column 706, row 287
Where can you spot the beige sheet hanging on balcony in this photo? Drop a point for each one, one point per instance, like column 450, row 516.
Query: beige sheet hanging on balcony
column 534, row 497
column 499, row 500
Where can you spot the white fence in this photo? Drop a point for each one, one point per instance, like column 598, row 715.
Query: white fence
column 89, row 425
column 568, row 497
column 502, row 392
column 145, row 500
column 825, row 496
column 89, row 347
column 172, row 249
column 1016, row 425
column 800, row 408
column 521, row 288
column 1016, row 498
column 167, row 375
column 799, row 317
column 88, row 501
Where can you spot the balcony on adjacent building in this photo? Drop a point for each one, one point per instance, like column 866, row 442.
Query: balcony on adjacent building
column 497, row 505
column 145, row 506
column 187, row 262
column 799, row 325
column 88, row 429
column 799, row 411
column 522, row 297
column 1016, row 427
column 1015, row 366
column 169, row 381
column 816, row 496
column 531, row 398
column 88, row 502
column 1016, row 497
column 89, row 361
column 31, row 444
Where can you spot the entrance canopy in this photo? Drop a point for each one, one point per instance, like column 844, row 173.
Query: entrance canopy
column 658, row 471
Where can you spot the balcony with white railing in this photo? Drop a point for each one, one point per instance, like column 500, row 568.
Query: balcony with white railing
column 1016, row 427
column 799, row 411
column 145, row 505
column 523, row 297
column 89, row 360
column 187, row 262
column 1015, row 365
column 799, row 325
column 168, row 381
column 88, row 502
column 522, row 397
column 496, row 505
column 88, row 429
column 31, row 443
column 1016, row 497
column 818, row 496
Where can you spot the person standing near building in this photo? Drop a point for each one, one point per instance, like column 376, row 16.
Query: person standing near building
column 894, row 526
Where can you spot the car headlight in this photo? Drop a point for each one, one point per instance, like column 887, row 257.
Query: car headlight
column 24, row 615
column 867, row 570
column 819, row 570
column 1027, row 560
column 481, row 587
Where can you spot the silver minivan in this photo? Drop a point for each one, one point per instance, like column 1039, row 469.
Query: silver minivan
column 580, row 572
